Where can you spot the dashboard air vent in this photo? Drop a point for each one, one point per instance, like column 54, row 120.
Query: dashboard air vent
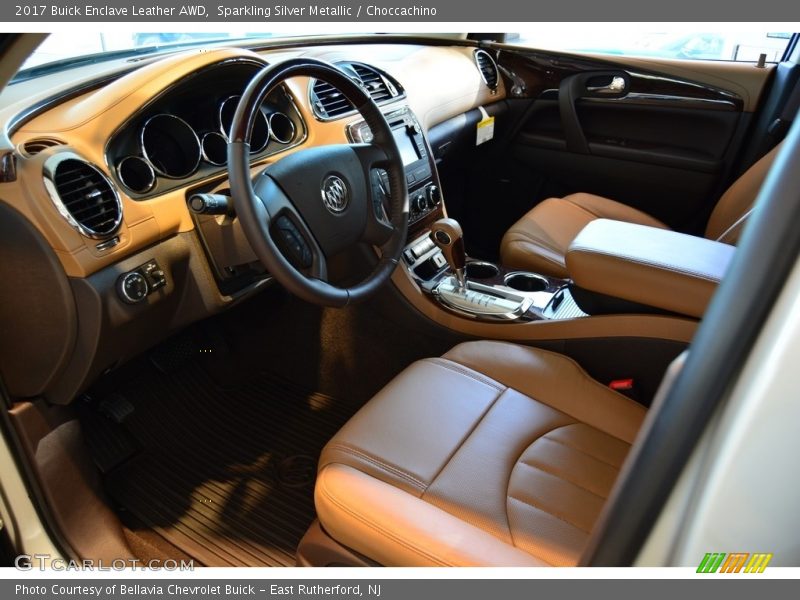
column 85, row 197
column 373, row 83
column 329, row 103
column 487, row 67
column 37, row 145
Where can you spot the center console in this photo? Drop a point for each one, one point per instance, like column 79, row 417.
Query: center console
column 611, row 262
column 485, row 300
column 488, row 292
column 435, row 255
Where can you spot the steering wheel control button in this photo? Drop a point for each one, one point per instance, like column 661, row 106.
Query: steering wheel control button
column 335, row 195
column 380, row 195
column 291, row 241
column 132, row 287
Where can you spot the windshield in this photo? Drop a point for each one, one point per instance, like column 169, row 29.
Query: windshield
column 64, row 50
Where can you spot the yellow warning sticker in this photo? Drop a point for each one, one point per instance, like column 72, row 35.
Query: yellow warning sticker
column 485, row 131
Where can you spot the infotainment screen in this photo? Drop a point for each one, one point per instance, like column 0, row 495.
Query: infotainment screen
column 408, row 151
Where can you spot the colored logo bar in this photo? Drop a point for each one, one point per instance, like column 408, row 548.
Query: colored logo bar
column 735, row 562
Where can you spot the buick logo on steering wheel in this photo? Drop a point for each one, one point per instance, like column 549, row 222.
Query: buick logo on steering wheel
column 335, row 196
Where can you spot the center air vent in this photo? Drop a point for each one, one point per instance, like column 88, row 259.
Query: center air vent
column 330, row 103
column 372, row 81
column 487, row 67
column 37, row 145
column 83, row 195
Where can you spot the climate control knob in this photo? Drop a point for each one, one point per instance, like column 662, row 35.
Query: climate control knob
column 420, row 202
column 434, row 196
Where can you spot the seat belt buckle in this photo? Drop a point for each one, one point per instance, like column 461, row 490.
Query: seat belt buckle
column 626, row 387
column 622, row 385
column 779, row 127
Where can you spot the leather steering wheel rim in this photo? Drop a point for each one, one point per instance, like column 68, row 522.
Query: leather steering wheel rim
column 278, row 182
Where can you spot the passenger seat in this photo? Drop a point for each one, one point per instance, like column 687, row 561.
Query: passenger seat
column 538, row 242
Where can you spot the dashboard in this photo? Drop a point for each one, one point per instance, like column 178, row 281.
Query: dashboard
column 155, row 134
column 105, row 167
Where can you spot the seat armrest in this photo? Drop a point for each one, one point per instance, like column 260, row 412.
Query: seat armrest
column 655, row 267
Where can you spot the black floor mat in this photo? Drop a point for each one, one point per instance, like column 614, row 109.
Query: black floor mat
column 224, row 474
column 218, row 455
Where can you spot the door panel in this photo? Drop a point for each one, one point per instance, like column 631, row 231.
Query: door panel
column 670, row 194
column 690, row 139
column 658, row 141
column 664, row 161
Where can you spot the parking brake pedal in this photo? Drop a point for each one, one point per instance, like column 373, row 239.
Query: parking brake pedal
column 109, row 442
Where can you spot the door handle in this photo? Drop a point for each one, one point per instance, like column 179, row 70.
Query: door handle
column 581, row 85
column 617, row 86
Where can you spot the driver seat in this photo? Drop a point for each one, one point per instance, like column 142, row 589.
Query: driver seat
column 493, row 455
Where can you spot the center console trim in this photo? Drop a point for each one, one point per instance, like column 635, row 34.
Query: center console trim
column 664, row 327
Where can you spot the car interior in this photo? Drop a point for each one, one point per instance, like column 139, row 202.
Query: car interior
column 366, row 300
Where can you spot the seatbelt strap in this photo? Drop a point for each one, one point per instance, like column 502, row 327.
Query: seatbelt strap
column 737, row 224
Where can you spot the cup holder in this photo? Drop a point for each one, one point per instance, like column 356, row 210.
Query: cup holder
column 482, row 270
column 526, row 282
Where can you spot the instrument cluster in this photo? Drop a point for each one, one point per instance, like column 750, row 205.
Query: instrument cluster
column 183, row 134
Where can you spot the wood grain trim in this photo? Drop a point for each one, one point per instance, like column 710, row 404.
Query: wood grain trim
column 726, row 83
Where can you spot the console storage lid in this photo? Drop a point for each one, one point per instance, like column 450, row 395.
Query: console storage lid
column 645, row 265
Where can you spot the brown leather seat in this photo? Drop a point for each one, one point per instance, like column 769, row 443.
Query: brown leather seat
column 539, row 240
column 494, row 454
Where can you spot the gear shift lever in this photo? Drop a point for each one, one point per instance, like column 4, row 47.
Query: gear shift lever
column 480, row 301
column 448, row 236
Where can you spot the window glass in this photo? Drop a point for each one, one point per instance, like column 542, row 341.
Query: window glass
column 697, row 45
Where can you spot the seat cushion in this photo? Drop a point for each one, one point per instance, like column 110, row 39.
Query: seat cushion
column 494, row 454
column 539, row 241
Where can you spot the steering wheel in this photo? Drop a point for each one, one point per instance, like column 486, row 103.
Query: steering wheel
column 314, row 203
